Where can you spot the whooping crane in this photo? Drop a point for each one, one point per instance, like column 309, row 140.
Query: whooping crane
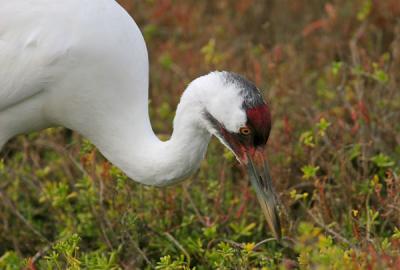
column 83, row 64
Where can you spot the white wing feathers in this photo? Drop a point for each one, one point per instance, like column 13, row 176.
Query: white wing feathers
column 29, row 47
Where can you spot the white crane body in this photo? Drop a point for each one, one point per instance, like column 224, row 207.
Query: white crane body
column 83, row 64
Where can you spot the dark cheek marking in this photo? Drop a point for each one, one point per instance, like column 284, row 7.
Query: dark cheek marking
column 234, row 143
column 260, row 119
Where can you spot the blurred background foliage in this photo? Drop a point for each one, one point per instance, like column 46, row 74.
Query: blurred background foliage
column 329, row 69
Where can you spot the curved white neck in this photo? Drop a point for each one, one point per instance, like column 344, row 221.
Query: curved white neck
column 143, row 157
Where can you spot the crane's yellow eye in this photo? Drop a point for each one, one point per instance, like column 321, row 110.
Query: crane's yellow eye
column 245, row 131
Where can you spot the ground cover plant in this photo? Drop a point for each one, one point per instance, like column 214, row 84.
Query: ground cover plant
column 330, row 70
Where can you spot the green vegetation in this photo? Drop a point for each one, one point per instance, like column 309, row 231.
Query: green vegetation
column 331, row 73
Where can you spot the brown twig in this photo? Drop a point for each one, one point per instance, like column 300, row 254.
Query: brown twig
column 196, row 210
column 8, row 203
column 178, row 245
column 327, row 229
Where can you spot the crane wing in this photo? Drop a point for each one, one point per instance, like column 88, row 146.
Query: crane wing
column 29, row 47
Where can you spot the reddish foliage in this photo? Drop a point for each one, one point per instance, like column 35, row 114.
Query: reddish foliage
column 314, row 26
column 243, row 5
column 364, row 111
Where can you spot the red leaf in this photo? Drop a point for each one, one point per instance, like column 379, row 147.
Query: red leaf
column 314, row 26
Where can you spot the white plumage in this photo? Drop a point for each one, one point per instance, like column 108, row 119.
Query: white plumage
column 85, row 66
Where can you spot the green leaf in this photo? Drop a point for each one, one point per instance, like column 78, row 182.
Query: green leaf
column 336, row 67
column 355, row 151
column 322, row 126
column 365, row 10
column 382, row 161
column 166, row 61
column 309, row 171
column 381, row 76
column 307, row 138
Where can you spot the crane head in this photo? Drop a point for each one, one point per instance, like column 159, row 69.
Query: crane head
column 242, row 122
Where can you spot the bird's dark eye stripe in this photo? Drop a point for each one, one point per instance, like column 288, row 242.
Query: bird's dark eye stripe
column 212, row 120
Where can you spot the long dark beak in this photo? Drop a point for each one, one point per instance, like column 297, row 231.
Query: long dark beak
column 261, row 180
